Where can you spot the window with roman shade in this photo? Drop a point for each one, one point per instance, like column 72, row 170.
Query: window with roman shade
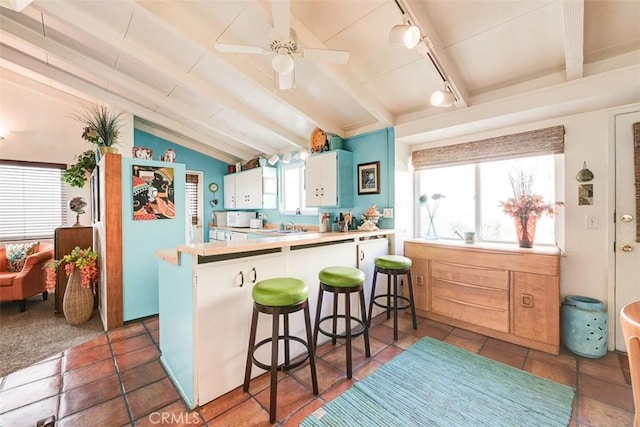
column 193, row 202
column 33, row 200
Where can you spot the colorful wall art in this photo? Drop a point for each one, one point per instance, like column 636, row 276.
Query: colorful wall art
column 153, row 193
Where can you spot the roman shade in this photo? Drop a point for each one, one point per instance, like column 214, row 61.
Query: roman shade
column 532, row 143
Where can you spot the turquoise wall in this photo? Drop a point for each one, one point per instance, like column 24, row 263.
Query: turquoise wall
column 213, row 169
column 366, row 148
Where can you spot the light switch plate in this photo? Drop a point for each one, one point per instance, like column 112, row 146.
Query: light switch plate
column 591, row 221
column 387, row 213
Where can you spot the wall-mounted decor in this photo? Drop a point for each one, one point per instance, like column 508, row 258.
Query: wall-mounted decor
column 169, row 156
column 584, row 175
column 585, row 194
column 142, row 153
column 369, row 178
column 153, row 194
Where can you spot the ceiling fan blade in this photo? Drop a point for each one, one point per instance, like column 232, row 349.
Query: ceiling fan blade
column 281, row 11
column 239, row 48
column 327, row 55
column 285, row 81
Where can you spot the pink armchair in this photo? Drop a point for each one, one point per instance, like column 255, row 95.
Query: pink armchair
column 28, row 282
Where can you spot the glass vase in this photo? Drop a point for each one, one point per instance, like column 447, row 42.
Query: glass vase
column 525, row 230
column 430, row 234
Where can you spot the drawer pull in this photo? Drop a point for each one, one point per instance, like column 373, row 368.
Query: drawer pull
column 241, row 277
column 483, row 307
column 526, row 300
column 255, row 275
column 469, row 285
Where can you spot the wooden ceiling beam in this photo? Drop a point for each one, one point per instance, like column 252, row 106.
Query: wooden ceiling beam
column 573, row 31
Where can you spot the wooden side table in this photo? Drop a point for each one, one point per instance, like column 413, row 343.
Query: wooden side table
column 67, row 238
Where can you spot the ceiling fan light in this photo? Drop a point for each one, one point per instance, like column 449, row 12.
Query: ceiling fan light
column 282, row 64
column 442, row 98
column 404, row 35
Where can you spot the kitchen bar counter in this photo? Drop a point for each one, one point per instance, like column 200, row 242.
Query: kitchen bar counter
column 275, row 242
column 205, row 299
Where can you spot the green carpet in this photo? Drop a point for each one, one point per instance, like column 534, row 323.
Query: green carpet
column 436, row 384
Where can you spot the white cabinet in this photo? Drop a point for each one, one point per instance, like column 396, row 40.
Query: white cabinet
column 252, row 189
column 367, row 253
column 223, row 317
column 329, row 179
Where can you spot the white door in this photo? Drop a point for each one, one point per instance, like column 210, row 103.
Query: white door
column 195, row 208
column 627, row 249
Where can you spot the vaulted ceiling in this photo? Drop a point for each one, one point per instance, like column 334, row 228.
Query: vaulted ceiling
column 157, row 60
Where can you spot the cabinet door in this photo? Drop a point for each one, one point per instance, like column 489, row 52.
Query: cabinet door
column 249, row 189
column 536, row 307
column 367, row 253
column 229, row 191
column 329, row 180
column 224, row 309
column 313, row 180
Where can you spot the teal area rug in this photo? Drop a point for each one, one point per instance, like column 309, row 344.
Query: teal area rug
column 436, row 384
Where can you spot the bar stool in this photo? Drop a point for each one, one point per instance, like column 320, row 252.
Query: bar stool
column 393, row 265
column 280, row 296
column 342, row 280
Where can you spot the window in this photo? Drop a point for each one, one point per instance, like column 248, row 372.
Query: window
column 473, row 194
column 293, row 193
column 32, row 200
column 192, row 186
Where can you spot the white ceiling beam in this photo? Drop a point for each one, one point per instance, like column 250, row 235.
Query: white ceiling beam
column 573, row 19
column 86, row 63
column 9, row 54
column 94, row 27
column 433, row 46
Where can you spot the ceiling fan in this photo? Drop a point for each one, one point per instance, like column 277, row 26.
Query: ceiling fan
column 284, row 47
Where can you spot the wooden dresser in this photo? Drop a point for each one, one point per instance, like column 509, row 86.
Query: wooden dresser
column 67, row 238
column 507, row 293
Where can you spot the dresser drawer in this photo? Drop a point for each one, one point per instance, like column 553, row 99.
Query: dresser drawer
column 480, row 305
column 474, row 275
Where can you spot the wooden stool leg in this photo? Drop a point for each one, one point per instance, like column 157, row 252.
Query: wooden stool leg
column 274, row 366
column 365, row 323
column 335, row 318
column 373, row 294
column 347, row 326
column 411, row 303
column 316, row 325
column 250, row 349
column 312, row 351
column 395, row 307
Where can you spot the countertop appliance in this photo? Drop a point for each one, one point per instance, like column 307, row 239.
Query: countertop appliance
column 239, row 219
column 255, row 223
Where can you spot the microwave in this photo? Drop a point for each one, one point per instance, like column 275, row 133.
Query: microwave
column 240, row 219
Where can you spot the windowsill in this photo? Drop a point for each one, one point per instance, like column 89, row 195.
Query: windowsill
column 509, row 247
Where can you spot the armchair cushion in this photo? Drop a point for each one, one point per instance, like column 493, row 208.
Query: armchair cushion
column 17, row 254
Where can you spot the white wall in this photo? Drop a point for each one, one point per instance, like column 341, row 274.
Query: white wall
column 587, row 267
column 40, row 128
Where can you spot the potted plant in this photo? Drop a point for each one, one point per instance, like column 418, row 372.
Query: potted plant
column 81, row 267
column 76, row 175
column 102, row 127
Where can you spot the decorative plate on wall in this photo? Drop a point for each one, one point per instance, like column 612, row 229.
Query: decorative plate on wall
column 318, row 140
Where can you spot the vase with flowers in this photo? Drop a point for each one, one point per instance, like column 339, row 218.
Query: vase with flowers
column 431, row 203
column 526, row 207
column 101, row 127
column 81, row 267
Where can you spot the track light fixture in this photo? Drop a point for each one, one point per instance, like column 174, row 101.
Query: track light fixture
column 274, row 159
column 286, row 157
column 443, row 98
column 405, row 35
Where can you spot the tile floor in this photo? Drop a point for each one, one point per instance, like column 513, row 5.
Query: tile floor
column 117, row 380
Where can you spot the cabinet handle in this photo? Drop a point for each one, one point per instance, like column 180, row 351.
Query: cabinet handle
column 316, row 192
column 255, row 275
column 322, row 191
column 361, row 255
column 241, row 278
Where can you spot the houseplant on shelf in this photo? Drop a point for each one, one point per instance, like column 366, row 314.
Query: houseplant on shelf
column 102, row 127
column 76, row 174
column 81, row 267
column 526, row 207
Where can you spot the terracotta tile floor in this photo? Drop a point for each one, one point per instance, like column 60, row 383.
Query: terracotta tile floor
column 117, row 380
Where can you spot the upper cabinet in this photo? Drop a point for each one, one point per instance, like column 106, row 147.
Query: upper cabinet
column 329, row 179
column 252, row 189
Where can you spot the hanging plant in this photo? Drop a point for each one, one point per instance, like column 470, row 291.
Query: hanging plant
column 76, row 175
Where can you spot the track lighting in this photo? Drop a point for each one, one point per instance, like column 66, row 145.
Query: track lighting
column 303, row 154
column 443, row 98
column 404, row 35
column 274, row 159
column 286, row 157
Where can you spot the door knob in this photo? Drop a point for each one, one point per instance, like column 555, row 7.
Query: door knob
column 626, row 247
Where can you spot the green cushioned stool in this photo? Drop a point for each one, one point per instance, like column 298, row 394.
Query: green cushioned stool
column 343, row 280
column 280, row 296
column 393, row 266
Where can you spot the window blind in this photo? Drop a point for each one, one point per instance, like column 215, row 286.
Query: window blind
column 192, row 197
column 532, row 143
column 33, row 200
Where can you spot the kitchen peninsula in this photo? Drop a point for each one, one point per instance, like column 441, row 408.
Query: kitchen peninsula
column 205, row 299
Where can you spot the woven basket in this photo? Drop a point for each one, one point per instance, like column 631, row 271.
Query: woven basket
column 78, row 301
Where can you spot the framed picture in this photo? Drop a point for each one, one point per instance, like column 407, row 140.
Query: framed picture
column 369, row 178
